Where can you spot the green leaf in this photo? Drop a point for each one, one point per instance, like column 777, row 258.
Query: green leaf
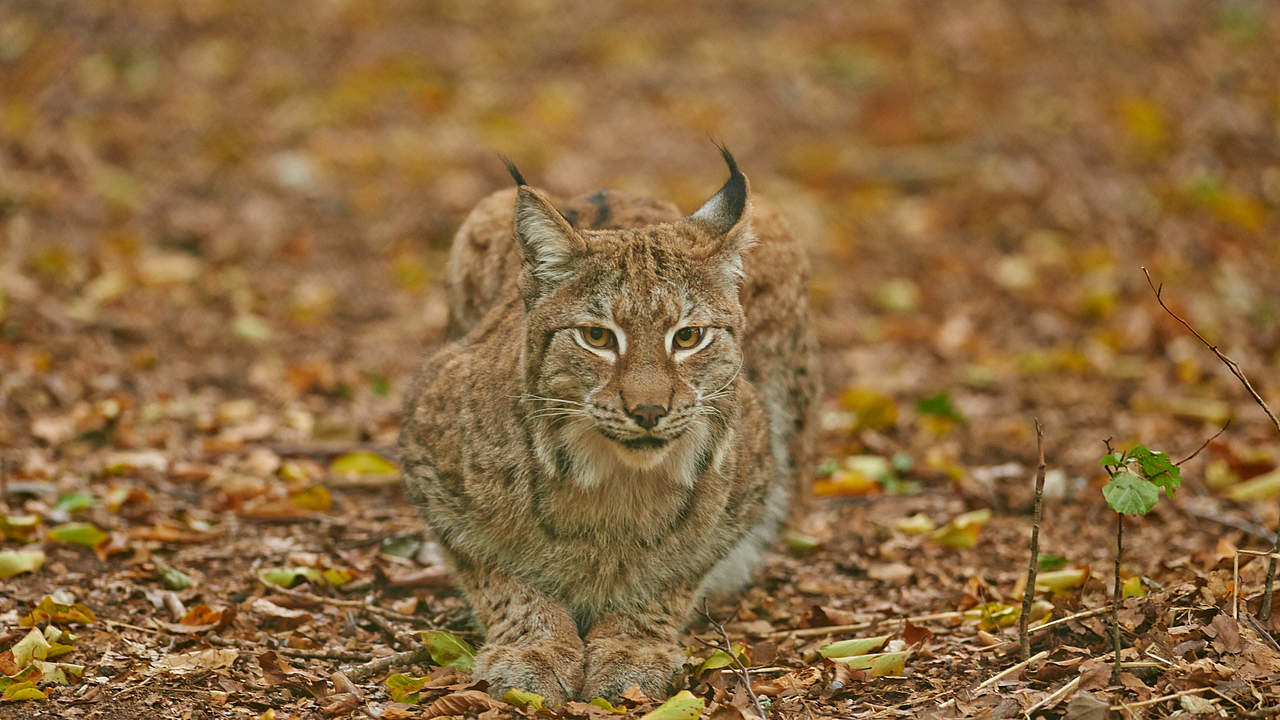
column 448, row 650
column 72, row 502
column 880, row 664
column 288, row 577
column 362, row 462
column 850, row 648
column 1110, row 460
column 721, row 659
column 1157, row 468
column 174, row 579
column 1049, row 562
column 404, row 688
column 22, row 691
column 15, row 562
column 684, row 706
column 939, row 405
column 78, row 533
column 1129, row 494
column 521, row 698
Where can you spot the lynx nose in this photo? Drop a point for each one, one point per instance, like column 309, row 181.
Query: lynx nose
column 648, row 415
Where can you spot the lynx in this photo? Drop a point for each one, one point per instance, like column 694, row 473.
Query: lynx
column 619, row 429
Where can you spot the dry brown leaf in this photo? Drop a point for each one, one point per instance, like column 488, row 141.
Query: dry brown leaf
column 461, row 703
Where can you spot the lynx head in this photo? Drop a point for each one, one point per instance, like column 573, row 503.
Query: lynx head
column 633, row 337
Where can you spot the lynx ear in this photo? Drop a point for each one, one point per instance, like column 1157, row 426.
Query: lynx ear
column 548, row 242
column 728, row 215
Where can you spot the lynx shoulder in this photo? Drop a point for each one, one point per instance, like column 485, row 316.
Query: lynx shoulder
column 618, row 429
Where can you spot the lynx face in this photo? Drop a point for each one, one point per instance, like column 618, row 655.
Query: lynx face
column 633, row 337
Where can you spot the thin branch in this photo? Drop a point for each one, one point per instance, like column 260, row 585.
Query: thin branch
column 340, row 602
column 1205, row 444
column 1264, row 613
column 375, row 667
column 1231, row 364
column 1033, row 565
column 743, row 673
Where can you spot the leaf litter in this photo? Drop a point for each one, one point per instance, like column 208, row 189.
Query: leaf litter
column 220, row 246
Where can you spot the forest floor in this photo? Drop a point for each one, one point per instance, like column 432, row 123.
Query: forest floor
column 222, row 230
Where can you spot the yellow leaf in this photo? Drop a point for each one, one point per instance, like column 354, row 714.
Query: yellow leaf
column 917, row 524
column 15, row 562
column 684, row 706
column 1060, row 581
column 315, row 497
column 872, row 409
column 963, row 530
column 362, row 462
column 1261, row 487
column 1133, row 587
column 521, row 698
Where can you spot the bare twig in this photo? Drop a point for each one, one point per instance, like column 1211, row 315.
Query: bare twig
column 339, row 655
column 1231, row 364
column 1264, row 613
column 1028, row 595
column 374, row 667
column 741, row 670
column 1205, row 444
column 833, row 629
column 340, row 602
column 1011, row 670
column 1051, row 699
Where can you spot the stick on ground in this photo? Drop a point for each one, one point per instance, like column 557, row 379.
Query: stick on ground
column 1028, row 596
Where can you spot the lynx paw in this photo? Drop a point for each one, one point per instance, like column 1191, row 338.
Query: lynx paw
column 549, row 668
column 615, row 664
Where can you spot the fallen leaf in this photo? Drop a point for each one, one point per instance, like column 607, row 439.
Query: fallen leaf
column 683, row 706
column 362, row 462
column 856, row 646
column 78, row 533
column 462, row 702
column 523, row 698
column 52, row 609
column 963, row 530
column 16, row 562
column 198, row 661
column 448, row 650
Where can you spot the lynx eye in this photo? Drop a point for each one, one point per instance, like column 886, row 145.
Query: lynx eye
column 597, row 337
column 688, row 337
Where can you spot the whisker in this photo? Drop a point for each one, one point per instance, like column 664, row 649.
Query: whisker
column 530, row 396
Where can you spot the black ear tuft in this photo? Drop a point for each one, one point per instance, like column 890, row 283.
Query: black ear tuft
column 728, row 157
column 723, row 211
column 515, row 172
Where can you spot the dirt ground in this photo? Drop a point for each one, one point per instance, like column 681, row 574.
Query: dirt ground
column 222, row 228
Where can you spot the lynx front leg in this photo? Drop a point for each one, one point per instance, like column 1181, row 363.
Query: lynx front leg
column 531, row 642
column 637, row 648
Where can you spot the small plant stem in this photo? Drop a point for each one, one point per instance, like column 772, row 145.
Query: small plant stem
column 1264, row 613
column 1028, row 596
column 1115, row 600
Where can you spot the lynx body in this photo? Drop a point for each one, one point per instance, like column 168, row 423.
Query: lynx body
column 619, row 428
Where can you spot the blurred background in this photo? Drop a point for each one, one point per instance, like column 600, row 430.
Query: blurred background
column 228, row 211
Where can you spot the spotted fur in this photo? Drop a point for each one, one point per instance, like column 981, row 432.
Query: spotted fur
column 581, row 529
